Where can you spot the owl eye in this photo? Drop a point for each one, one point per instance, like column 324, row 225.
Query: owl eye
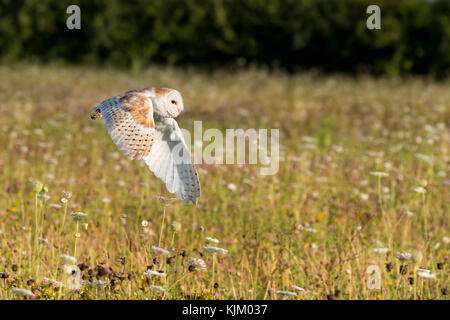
column 174, row 102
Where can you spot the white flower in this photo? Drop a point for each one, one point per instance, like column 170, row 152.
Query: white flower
column 420, row 190
column 144, row 223
column 312, row 230
column 55, row 205
column 196, row 264
column 232, row 186
column 43, row 196
column 211, row 240
column 64, row 200
column 78, row 215
column 156, row 288
column 364, row 196
column 215, row 250
column 106, row 200
column 376, row 242
column 404, row 256
column 379, row 174
column 423, row 157
column 23, row 292
column 408, row 213
column 286, row 293
column 446, row 240
column 336, row 148
column 154, row 273
column 426, row 274
column 65, row 258
column 160, row 251
column 297, row 288
column 380, row 250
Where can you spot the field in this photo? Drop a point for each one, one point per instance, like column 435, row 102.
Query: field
column 362, row 189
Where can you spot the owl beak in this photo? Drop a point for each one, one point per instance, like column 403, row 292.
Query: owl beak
column 173, row 110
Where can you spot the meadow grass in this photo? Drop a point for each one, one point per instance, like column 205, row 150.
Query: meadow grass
column 363, row 181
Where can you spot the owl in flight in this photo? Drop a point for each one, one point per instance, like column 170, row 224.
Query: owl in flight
column 141, row 123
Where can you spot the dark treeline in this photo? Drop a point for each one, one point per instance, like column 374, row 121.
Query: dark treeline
column 328, row 35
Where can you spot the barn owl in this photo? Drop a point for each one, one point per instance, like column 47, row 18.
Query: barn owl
column 141, row 123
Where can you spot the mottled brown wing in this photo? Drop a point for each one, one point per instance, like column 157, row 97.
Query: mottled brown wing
column 129, row 120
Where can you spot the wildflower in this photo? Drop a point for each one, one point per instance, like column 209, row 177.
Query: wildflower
column 232, row 187
column 55, row 206
column 156, row 288
column 297, row 288
column 144, row 223
column 43, row 196
column 195, row 264
column 78, row 215
column 106, row 200
column 65, row 258
column 175, row 226
column 215, row 250
column 423, row 157
column 209, row 239
column 426, row 274
column 23, row 292
column 337, row 148
column 380, row 250
column 408, row 213
column 417, row 256
column 420, row 190
column 67, row 194
column 64, row 200
column 379, row 174
column 446, row 240
column 286, row 293
column 364, row 196
column 160, row 251
column 77, row 235
column 38, row 186
column 404, row 256
column 154, row 273
column 312, row 230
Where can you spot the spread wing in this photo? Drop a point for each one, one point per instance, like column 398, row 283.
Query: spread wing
column 170, row 160
column 129, row 120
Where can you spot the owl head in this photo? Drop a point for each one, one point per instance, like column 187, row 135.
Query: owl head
column 168, row 102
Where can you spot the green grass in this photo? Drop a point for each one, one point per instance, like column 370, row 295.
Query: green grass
column 324, row 185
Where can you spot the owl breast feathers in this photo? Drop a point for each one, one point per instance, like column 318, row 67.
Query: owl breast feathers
column 141, row 123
